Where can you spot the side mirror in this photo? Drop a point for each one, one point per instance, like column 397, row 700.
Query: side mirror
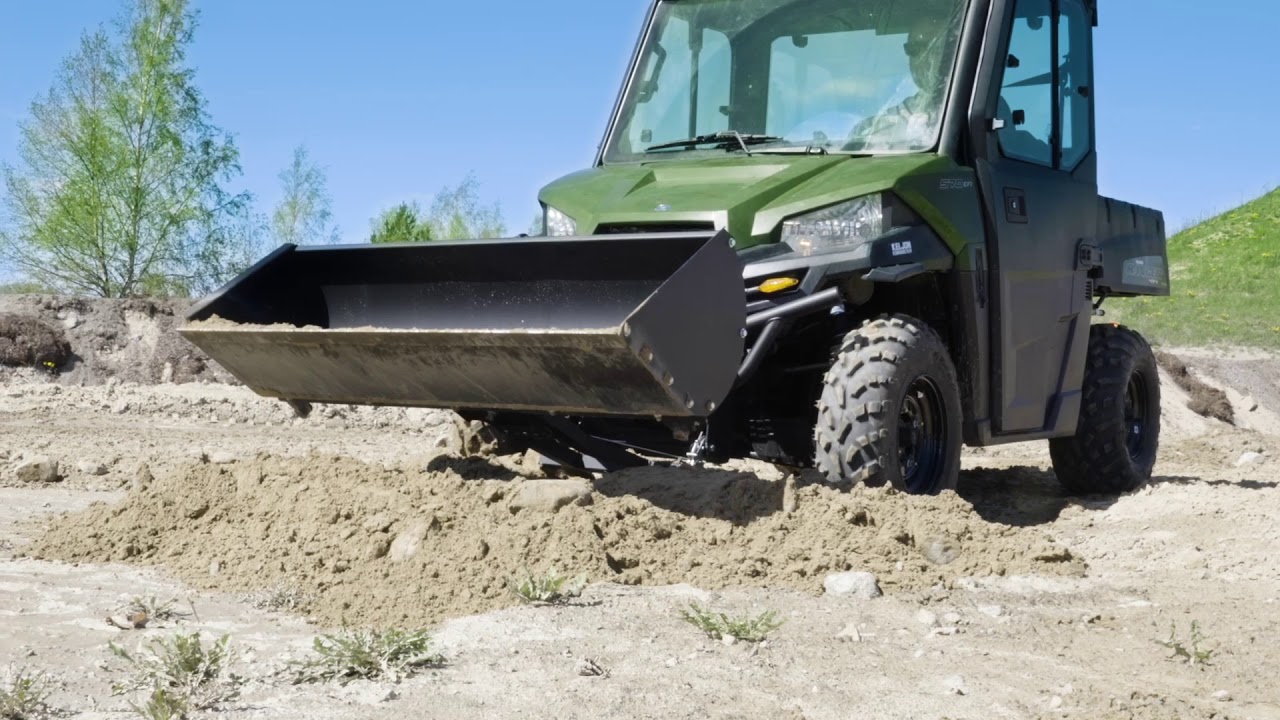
column 1013, row 61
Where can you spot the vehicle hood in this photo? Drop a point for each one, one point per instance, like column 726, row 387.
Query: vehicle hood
column 748, row 195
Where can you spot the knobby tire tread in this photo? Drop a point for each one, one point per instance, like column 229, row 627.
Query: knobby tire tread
column 858, row 409
column 1096, row 460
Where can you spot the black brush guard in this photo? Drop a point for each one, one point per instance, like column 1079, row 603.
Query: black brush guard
column 625, row 325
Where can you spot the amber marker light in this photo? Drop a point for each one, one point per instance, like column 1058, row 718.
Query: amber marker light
column 777, row 285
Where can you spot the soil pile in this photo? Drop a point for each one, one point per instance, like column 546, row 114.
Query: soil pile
column 27, row 342
column 130, row 340
column 1205, row 399
column 412, row 545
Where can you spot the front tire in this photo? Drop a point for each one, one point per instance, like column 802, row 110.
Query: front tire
column 890, row 410
column 1118, row 434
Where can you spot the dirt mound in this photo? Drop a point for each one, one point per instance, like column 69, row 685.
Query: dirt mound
column 1205, row 399
column 412, row 545
column 132, row 340
column 27, row 342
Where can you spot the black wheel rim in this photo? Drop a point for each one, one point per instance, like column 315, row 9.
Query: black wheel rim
column 1136, row 415
column 921, row 436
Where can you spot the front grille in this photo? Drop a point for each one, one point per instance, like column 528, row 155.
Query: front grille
column 635, row 228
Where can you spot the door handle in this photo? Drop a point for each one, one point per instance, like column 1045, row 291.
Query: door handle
column 1015, row 205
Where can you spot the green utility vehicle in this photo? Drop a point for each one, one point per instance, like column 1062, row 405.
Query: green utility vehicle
column 845, row 233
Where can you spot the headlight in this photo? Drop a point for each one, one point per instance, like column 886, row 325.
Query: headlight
column 560, row 225
column 848, row 223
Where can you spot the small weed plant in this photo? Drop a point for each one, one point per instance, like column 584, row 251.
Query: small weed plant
column 353, row 654
column 162, row 705
column 283, row 596
column 153, row 608
column 178, row 675
column 547, row 589
column 719, row 625
column 1192, row 651
column 24, row 695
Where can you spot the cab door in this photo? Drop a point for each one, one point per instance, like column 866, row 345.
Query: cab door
column 1038, row 175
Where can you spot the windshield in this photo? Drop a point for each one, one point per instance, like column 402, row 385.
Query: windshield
column 861, row 76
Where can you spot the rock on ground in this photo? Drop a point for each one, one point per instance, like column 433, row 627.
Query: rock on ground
column 928, row 618
column 862, row 585
column 1250, row 458
column 37, row 469
column 222, row 457
column 850, row 633
column 551, row 495
column 409, row 541
column 90, row 467
column 940, row 550
column 954, row 685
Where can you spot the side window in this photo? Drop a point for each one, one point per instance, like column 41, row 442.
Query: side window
column 1027, row 92
column 1076, row 82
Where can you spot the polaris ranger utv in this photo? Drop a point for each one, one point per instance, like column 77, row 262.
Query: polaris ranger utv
column 844, row 233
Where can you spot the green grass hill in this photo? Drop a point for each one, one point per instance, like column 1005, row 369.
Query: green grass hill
column 1226, row 283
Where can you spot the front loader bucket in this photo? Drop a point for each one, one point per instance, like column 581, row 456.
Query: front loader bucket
column 639, row 325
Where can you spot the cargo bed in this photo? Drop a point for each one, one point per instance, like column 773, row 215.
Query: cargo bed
column 1132, row 240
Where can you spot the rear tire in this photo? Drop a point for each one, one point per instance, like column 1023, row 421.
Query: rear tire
column 890, row 410
column 1118, row 434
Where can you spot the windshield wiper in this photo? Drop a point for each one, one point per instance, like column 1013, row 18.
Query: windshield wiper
column 795, row 150
column 725, row 139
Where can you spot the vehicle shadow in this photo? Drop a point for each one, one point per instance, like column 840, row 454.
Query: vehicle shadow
column 733, row 496
column 1243, row 484
column 1028, row 496
column 71, row 364
column 1020, row 496
column 472, row 467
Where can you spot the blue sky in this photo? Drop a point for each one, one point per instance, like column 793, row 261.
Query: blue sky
column 398, row 99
